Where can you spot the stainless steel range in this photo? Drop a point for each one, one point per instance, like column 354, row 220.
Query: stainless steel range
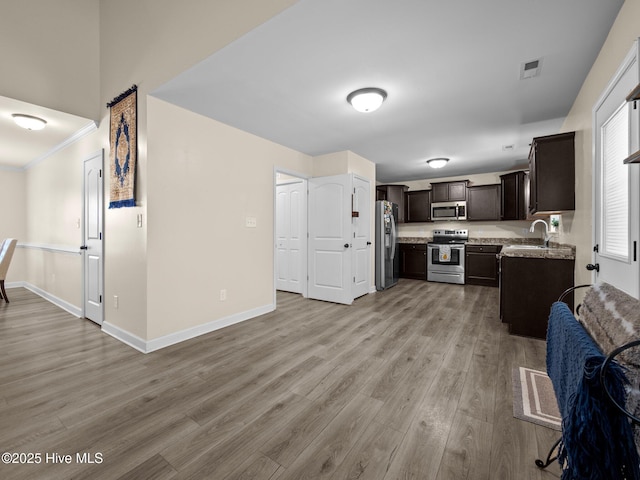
column 445, row 256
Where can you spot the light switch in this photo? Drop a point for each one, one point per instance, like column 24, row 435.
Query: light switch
column 139, row 220
column 251, row 222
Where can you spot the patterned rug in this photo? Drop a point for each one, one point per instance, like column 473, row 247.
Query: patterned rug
column 534, row 399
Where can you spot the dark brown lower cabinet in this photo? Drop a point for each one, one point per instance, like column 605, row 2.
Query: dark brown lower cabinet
column 528, row 288
column 413, row 261
column 481, row 265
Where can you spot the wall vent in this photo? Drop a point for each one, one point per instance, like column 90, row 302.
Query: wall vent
column 530, row 69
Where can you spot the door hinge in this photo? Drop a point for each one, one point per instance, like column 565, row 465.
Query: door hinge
column 100, row 173
column 100, row 298
column 354, row 279
column 596, row 248
column 100, row 235
column 635, row 251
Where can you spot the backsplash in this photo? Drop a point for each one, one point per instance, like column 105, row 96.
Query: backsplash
column 509, row 229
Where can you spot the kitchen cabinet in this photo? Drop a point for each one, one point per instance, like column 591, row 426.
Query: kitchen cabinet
column 395, row 194
column 528, row 288
column 514, row 203
column 418, row 206
column 413, row 261
column 552, row 174
column 481, row 265
column 449, row 191
column 483, row 202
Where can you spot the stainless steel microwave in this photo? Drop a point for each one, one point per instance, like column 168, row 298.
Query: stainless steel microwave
column 448, row 211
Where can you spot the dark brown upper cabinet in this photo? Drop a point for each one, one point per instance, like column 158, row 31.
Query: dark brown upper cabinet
column 395, row 194
column 449, row 191
column 515, row 196
column 483, row 202
column 418, row 206
column 552, row 174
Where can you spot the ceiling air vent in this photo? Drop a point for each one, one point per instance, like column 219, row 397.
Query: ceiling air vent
column 530, row 69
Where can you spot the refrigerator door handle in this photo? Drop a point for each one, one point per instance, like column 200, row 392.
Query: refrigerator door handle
column 393, row 237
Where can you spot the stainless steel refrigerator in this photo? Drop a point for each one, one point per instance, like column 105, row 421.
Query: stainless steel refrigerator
column 386, row 244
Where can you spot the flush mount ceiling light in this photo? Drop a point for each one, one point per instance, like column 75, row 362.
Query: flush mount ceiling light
column 437, row 162
column 28, row 121
column 367, row 99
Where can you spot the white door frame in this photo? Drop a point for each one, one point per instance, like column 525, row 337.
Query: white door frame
column 304, row 253
column 85, row 293
column 630, row 63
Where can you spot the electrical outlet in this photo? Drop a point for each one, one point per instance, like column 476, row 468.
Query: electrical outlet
column 223, row 294
column 116, row 303
column 251, row 222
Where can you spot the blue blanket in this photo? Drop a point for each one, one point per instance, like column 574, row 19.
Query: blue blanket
column 597, row 439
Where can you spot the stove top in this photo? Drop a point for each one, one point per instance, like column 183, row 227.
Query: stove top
column 450, row 236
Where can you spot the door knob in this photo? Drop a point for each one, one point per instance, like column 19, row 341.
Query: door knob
column 595, row 267
column 346, row 245
column 368, row 243
column 83, row 247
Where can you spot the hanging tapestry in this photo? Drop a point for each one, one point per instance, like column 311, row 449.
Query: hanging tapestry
column 124, row 149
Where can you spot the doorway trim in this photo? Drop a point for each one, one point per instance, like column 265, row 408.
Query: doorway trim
column 85, row 293
column 304, row 267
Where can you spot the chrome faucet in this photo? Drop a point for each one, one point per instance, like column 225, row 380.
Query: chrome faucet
column 547, row 236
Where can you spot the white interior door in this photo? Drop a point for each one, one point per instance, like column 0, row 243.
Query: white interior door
column 291, row 236
column 330, row 239
column 616, row 185
column 361, row 237
column 92, row 238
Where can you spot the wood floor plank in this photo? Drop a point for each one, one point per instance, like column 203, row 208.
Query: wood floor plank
column 372, row 455
column 467, row 453
column 155, row 468
column 256, row 467
column 411, row 382
column 421, row 450
column 330, row 447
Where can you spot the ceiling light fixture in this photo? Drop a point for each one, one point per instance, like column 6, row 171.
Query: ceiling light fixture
column 28, row 121
column 367, row 99
column 437, row 162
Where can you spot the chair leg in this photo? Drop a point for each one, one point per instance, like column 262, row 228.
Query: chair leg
column 541, row 465
column 4, row 292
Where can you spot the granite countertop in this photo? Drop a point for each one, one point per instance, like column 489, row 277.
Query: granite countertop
column 513, row 247
column 421, row 240
column 555, row 251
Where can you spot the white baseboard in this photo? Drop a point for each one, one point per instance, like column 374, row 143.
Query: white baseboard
column 125, row 337
column 148, row 346
column 72, row 309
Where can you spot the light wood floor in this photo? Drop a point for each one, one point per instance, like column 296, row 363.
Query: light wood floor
column 410, row 383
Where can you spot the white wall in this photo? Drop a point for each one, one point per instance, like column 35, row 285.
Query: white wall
column 578, row 230
column 153, row 42
column 14, row 224
column 54, row 192
column 205, row 178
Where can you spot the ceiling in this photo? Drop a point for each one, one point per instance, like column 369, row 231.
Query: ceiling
column 20, row 147
column 451, row 70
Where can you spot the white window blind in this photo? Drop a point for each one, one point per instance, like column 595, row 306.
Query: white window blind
column 615, row 184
